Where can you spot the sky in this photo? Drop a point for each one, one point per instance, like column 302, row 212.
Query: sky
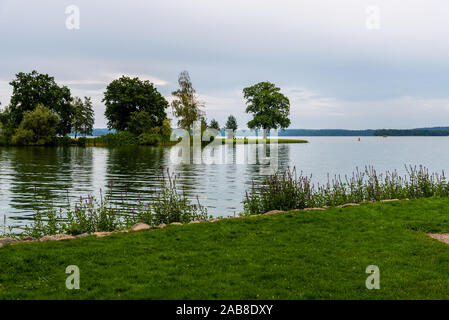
column 350, row 64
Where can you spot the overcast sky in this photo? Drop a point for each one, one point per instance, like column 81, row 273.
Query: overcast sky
column 336, row 69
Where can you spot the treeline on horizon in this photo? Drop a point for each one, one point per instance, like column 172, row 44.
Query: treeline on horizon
column 436, row 131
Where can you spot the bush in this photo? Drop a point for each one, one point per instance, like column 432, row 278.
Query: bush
column 38, row 127
column 147, row 139
column 120, row 138
column 23, row 137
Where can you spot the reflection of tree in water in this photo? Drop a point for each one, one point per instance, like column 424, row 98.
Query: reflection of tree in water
column 134, row 171
column 46, row 169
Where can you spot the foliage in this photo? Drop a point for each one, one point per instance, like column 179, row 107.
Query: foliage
column 231, row 123
column 163, row 131
column 149, row 139
column 119, row 138
column 32, row 89
column 214, row 124
column 270, row 108
column 186, row 105
column 140, row 122
column 126, row 95
column 38, row 127
column 83, row 116
column 289, row 191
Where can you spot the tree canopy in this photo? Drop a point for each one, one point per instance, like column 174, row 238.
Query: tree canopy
column 186, row 105
column 83, row 116
column 231, row 123
column 37, row 127
column 31, row 89
column 269, row 107
column 214, row 124
column 125, row 96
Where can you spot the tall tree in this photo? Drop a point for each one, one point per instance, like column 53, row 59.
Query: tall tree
column 83, row 116
column 31, row 89
column 269, row 107
column 186, row 105
column 126, row 95
column 214, row 124
column 231, row 123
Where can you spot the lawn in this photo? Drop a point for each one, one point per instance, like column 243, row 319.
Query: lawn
column 297, row 255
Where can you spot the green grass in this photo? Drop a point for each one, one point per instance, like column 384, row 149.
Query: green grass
column 298, row 255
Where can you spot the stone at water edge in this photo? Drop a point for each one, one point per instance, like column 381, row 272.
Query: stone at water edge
column 310, row 209
column 83, row 235
column 28, row 238
column 349, row 205
column 176, row 224
column 389, row 200
column 140, row 226
column 274, row 212
column 162, row 226
column 7, row 240
column 196, row 221
column 57, row 237
column 102, row 234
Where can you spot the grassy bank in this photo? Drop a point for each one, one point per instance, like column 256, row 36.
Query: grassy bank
column 297, row 255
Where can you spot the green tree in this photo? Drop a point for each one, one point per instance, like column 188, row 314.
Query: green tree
column 231, row 124
column 140, row 122
column 31, row 89
column 126, row 95
column 186, row 105
column 214, row 124
column 269, row 107
column 83, row 116
column 38, row 127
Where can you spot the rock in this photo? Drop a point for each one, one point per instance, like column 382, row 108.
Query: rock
column 57, row 237
column 176, row 224
column 140, row 226
column 102, row 234
column 389, row 200
column 405, row 199
column 83, row 235
column 274, row 212
column 122, row 231
column 215, row 220
column 28, row 238
column 326, row 207
column 349, row 205
column 7, row 240
column 196, row 221
column 162, row 226
column 310, row 209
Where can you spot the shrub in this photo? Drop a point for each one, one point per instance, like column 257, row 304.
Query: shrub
column 119, row 138
column 81, row 141
column 147, row 139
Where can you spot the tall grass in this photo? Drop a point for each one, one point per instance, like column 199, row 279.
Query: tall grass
column 90, row 215
column 291, row 190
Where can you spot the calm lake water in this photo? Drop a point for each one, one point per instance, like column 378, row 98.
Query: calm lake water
column 74, row 172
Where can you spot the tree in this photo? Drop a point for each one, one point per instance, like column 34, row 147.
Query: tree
column 38, row 127
column 126, row 95
column 186, row 105
column 31, row 89
column 83, row 116
column 231, row 124
column 270, row 108
column 140, row 122
column 214, row 124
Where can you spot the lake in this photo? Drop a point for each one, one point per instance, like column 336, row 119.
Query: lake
column 61, row 172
